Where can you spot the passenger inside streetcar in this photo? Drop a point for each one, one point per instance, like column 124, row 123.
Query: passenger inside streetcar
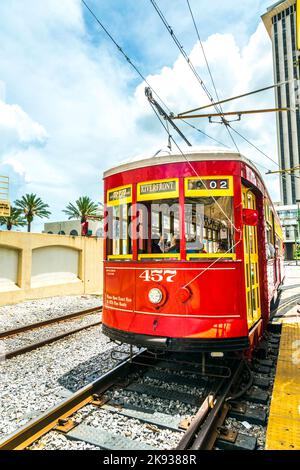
column 155, row 246
column 175, row 245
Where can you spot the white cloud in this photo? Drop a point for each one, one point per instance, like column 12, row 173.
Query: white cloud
column 17, row 129
column 77, row 99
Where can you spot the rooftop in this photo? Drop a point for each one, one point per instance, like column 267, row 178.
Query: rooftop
column 190, row 154
column 273, row 10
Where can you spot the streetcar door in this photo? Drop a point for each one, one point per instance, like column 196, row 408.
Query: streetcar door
column 251, row 263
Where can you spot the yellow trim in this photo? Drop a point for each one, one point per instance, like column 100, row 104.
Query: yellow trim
column 278, row 230
column 158, row 195
column 211, row 255
column 208, row 192
column 119, row 257
column 298, row 23
column 159, row 255
column 118, row 202
column 251, row 266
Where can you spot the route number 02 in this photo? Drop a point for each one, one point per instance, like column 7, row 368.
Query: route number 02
column 157, row 275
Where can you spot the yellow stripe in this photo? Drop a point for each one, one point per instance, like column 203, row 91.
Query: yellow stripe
column 159, row 255
column 119, row 257
column 211, row 255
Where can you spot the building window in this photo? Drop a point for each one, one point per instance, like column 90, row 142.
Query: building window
column 74, row 233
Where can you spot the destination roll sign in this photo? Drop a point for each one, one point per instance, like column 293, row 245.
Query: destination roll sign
column 159, row 189
column 120, row 195
column 209, row 186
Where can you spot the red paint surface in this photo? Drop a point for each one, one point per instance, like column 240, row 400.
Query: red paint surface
column 216, row 295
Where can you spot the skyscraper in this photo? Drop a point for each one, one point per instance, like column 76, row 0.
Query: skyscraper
column 281, row 24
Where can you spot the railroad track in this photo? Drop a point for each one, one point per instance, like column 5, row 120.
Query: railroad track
column 284, row 306
column 50, row 339
column 134, row 391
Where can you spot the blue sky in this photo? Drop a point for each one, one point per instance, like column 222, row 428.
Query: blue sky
column 70, row 105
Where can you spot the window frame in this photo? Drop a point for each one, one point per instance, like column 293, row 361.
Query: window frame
column 180, row 193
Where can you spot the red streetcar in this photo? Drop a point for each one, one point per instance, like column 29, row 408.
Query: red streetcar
column 193, row 252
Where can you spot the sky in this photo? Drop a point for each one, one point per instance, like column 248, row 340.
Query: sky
column 71, row 106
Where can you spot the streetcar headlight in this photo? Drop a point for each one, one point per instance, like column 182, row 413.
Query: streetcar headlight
column 155, row 295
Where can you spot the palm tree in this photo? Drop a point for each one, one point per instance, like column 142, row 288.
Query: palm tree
column 32, row 206
column 15, row 219
column 83, row 209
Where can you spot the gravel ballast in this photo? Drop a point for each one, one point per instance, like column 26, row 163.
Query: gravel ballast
column 33, row 311
column 37, row 335
column 38, row 380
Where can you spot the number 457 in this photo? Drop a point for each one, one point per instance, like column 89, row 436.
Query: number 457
column 157, row 275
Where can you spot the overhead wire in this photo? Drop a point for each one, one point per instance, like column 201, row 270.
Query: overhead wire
column 192, row 67
column 167, row 130
column 140, row 74
column 134, row 66
column 216, row 92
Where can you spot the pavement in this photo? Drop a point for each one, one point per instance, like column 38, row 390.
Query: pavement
column 288, row 310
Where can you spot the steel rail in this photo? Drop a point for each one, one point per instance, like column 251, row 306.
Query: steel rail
column 33, row 326
column 204, row 435
column 37, row 427
column 200, row 432
column 49, row 340
column 290, row 302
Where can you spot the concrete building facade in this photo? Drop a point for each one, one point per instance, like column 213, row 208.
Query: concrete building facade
column 283, row 27
column 37, row 265
column 281, row 24
column 290, row 220
column 73, row 227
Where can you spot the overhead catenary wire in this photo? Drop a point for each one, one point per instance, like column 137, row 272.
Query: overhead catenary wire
column 230, row 99
column 203, row 51
column 257, row 148
column 239, row 231
column 140, row 74
column 192, row 67
column 192, row 167
column 170, row 137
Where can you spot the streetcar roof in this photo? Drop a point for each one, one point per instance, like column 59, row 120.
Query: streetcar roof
column 165, row 156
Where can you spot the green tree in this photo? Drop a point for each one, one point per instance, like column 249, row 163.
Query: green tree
column 16, row 219
column 32, row 206
column 83, row 209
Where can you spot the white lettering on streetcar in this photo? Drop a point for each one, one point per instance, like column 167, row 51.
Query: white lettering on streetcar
column 158, row 275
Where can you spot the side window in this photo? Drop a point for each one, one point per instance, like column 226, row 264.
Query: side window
column 118, row 227
column 158, row 219
column 209, row 217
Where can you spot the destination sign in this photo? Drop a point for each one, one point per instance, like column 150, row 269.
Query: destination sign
column 159, row 189
column 209, row 186
column 119, row 195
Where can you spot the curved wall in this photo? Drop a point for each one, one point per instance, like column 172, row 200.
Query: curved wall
column 9, row 268
column 36, row 265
